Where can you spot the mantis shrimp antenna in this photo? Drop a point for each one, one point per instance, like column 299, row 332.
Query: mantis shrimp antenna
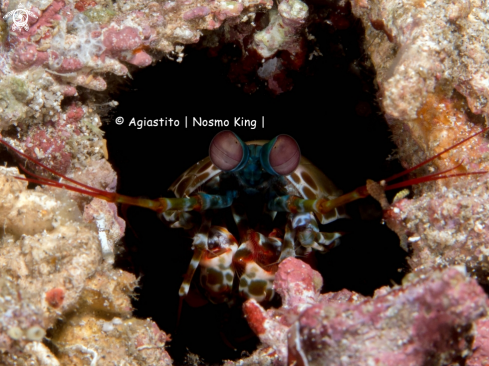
column 322, row 206
column 201, row 201
column 158, row 205
column 434, row 176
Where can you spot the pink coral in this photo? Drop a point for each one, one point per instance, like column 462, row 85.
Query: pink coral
column 55, row 297
column 198, row 12
column 298, row 285
column 140, row 58
column 69, row 91
column 74, row 114
column 50, row 14
column 411, row 324
column 425, row 321
column 26, row 55
column 48, row 142
column 39, row 143
column 480, row 357
column 70, row 64
column 126, row 39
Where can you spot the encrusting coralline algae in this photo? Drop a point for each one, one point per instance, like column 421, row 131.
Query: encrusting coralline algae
column 53, row 265
column 57, row 248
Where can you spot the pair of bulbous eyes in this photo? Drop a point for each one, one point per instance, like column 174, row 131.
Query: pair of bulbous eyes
column 280, row 156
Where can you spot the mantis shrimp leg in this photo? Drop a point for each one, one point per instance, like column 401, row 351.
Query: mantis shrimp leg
column 199, row 246
column 256, row 263
column 304, row 228
column 255, row 260
column 216, row 269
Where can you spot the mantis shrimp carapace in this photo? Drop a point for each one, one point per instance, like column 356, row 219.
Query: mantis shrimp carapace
column 253, row 181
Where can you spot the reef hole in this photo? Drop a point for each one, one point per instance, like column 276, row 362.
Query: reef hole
column 332, row 113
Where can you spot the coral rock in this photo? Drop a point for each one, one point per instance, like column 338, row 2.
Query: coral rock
column 445, row 229
column 21, row 319
column 299, row 286
column 198, row 12
column 25, row 56
column 133, row 341
column 432, row 71
column 125, row 39
column 109, row 291
column 34, row 354
column 427, row 320
column 411, row 324
column 141, row 59
column 283, row 30
column 480, row 347
column 65, row 257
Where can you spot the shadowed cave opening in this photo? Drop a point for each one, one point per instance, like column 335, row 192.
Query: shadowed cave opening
column 333, row 114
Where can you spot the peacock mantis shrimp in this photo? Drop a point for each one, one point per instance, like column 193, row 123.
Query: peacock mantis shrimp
column 256, row 180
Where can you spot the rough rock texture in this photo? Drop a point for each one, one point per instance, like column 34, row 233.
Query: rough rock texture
column 426, row 321
column 56, row 262
column 419, row 46
column 444, row 229
column 35, row 354
column 56, row 274
column 481, row 344
column 269, row 54
column 61, row 259
column 112, row 336
column 111, row 227
column 299, row 287
column 432, row 72
column 21, row 321
column 71, row 43
column 428, row 61
column 133, row 341
column 281, row 33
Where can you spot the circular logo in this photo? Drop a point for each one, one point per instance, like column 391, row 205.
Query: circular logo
column 20, row 17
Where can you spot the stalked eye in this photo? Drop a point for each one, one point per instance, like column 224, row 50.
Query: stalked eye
column 228, row 152
column 281, row 156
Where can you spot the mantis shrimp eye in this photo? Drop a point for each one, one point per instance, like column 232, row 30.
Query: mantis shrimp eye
column 228, row 152
column 280, row 156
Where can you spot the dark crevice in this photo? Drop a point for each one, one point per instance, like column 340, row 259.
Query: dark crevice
column 333, row 114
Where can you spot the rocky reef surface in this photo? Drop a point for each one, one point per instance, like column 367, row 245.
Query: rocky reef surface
column 57, row 248
column 431, row 63
column 429, row 320
column 57, row 275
